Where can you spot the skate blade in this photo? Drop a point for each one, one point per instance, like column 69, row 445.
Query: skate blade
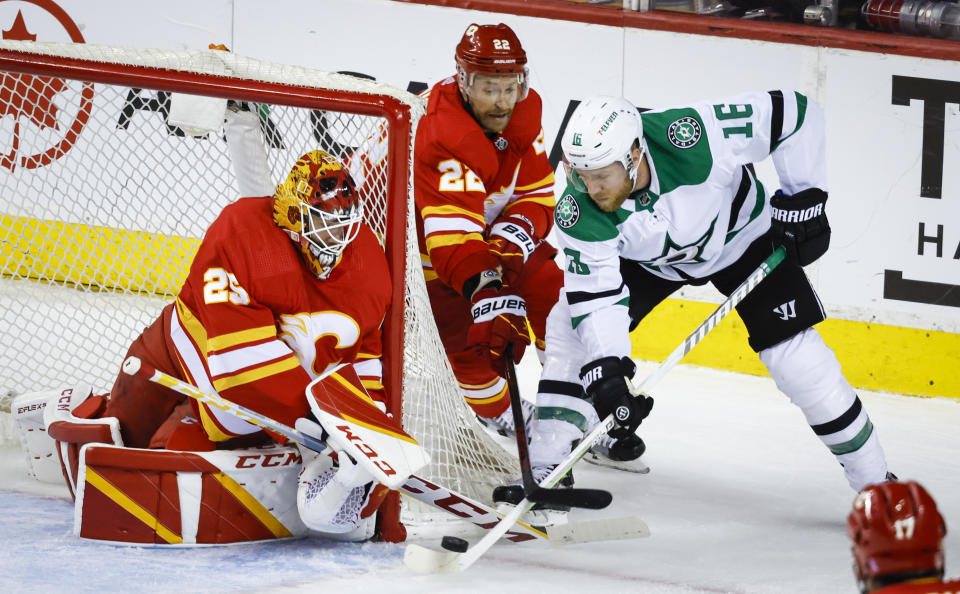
column 636, row 466
column 538, row 518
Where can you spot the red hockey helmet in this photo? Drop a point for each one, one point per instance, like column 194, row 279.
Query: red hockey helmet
column 895, row 528
column 493, row 50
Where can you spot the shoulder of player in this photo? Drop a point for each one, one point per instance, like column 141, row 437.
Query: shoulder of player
column 525, row 123
column 578, row 217
column 245, row 240
column 248, row 218
column 364, row 267
column 716, row 114
column 682, row 144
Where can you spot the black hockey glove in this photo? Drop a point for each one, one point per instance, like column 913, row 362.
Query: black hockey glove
column 605, row 382
column 800, row 224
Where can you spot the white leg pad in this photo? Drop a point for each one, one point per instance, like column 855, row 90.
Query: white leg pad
column 807, row 371
column 551, row 440
column 40, row 449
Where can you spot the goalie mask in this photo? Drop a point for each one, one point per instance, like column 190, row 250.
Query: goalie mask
column 896, row 531
column 602, row 131
column 318, row 207
column 492, row 50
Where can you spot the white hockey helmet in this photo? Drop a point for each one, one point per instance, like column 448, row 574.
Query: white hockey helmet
column 602, row 130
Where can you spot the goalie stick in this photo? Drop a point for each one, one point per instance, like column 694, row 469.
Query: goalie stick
column 566, row 497
column 421, row 489
column 424, row 560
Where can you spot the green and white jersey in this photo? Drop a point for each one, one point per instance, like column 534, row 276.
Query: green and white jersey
column 703, row 207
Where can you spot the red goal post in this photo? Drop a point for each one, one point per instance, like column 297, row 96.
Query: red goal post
column 103, row 204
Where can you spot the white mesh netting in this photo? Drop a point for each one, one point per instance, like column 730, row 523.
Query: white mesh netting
column 103, row 204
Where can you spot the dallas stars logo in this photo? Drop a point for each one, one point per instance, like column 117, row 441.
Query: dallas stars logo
column 684, row 133
column 567, row 212
column 674, row 253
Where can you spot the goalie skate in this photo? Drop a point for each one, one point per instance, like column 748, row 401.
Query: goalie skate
column 621, row 454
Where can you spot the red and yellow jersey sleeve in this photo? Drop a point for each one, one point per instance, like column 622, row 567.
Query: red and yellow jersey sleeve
column 451, row 156
column 369, row 366
column 224, row 335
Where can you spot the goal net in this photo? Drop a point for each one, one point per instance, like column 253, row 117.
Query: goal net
column 104, row 203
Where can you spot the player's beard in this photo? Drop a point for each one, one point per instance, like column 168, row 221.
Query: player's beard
column 491, row 123
column 613, row 200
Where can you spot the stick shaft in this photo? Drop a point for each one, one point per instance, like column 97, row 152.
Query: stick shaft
column 764, row 270
column 520, row 428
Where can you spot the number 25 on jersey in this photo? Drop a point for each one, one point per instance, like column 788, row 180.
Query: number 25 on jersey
column 220, row 286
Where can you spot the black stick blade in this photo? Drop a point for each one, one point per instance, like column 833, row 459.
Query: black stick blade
column 585, row 498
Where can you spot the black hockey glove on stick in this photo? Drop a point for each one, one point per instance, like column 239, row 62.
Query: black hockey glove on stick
column 800, row 224
column 607, row 384
column 570, row 497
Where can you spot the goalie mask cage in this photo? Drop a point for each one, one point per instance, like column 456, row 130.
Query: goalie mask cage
column 103, row 205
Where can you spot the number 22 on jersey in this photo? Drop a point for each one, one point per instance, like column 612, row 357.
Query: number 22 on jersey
column 454, row 179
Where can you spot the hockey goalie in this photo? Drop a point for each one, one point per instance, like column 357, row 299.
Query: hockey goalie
column 281, row 314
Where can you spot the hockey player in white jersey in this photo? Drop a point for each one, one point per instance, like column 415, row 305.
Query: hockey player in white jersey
column 670, row 198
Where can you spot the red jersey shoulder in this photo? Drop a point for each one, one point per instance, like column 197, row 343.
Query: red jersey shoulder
column 361, row 283
column 525, row 125
column 245, row 236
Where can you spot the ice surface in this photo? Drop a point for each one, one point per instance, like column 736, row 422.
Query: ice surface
column 742, row 498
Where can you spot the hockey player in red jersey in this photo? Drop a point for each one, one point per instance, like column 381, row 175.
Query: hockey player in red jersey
column 284, row 290
column 897, row 535
column 484, row 195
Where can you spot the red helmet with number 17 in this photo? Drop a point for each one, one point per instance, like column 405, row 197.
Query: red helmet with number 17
column 896, row 532
column 493, row 50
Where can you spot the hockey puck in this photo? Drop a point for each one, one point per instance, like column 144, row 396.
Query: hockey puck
column 452, row 543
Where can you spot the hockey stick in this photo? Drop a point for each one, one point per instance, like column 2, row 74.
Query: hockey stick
column 430, row 561
column 421, row 489
column 586, row 498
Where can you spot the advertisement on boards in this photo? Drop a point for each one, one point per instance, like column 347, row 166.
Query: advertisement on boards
column 893, row 122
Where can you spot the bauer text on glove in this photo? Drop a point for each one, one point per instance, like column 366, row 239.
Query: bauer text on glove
column 499, row 318
column 512, row 241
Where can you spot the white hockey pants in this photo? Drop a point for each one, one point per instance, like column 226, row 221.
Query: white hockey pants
column 807, row 371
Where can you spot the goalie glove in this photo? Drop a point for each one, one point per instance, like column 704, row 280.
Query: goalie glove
column 332, row 498
column 606, row 383
column 499, row 319
column 800, row 224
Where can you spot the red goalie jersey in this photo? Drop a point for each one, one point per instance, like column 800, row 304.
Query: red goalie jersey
column 255, row 325
column 465, row 180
